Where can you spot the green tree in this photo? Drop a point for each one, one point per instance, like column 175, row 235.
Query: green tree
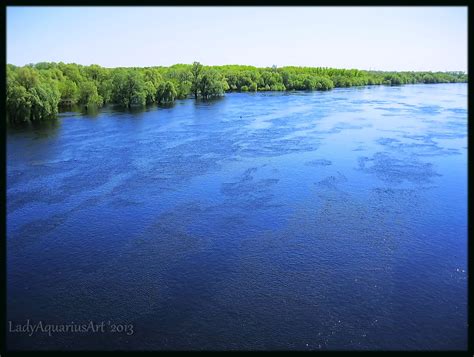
column 129, row 88
column 166, row 93
column 88, row 94
column 196, row 78
column 211, row 84
column 69, row 91
column 35, row 91
column 18, row 103
column 30, row 96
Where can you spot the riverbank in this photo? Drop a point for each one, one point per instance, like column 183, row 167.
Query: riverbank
column 37, row 92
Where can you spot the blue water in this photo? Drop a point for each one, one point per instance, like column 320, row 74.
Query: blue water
column 289, row 221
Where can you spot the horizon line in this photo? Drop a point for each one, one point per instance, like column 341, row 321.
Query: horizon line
column 243, row 65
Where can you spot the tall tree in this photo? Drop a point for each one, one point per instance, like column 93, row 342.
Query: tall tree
column 166, row 93
column 211, row 84
column 196, row 78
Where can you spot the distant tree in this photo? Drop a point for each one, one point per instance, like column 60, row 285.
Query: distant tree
column 196, row 78
column 154, row 76
column 18, row 103
column 105, row 90
column 69, row 91
column 88, row 94
column 211, row 84
column 150, row 91
column 129, row 88
column 181, row 76
column 34, row 92
column 310, row 83
column 28, row 77
column 30, row 96
column 166, row 93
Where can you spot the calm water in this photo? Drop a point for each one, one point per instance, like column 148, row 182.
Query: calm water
column 324, row 220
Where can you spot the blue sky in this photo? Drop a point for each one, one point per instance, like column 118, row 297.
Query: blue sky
column 384, row 38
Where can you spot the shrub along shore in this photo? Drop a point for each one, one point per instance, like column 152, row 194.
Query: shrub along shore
column 37, row 91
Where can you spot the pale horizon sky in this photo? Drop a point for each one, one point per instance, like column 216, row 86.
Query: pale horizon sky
column 377, row 38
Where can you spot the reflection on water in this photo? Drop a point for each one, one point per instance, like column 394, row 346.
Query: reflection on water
column 289, row 221
column 41, row 129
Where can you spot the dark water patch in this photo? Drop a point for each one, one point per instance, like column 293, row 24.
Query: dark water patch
column 427, row 109
column 460, row 111
column 21, row 199
column 428, row 147
column 35, row 231
column 391, row 169
column 250, row 192
column 390, row 109
column 348, row 126
column 360, row 148
column 319, row 162
column 332, row 182
column 275, row 148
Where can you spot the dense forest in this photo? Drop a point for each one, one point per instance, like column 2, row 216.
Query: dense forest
column 39, row 91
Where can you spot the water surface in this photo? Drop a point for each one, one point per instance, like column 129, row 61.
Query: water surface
column 323, row 220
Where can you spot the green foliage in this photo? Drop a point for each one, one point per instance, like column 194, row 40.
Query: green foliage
column 211, row 83
column 150, row 92
column 166, row 93
column 31, row 96
column 34, row 92
column 18, row 103
column 88, row 94
column 196, row 78
column 182, row 78
column 128, row 88
column 105, row 90
column 69, row 91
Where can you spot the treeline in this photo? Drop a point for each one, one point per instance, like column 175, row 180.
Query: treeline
column 36, row 92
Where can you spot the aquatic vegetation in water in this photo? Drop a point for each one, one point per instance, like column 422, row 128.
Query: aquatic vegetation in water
column 395, row 170
column 319, row 162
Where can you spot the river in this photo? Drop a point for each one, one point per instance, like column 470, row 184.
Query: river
column 286, row 221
